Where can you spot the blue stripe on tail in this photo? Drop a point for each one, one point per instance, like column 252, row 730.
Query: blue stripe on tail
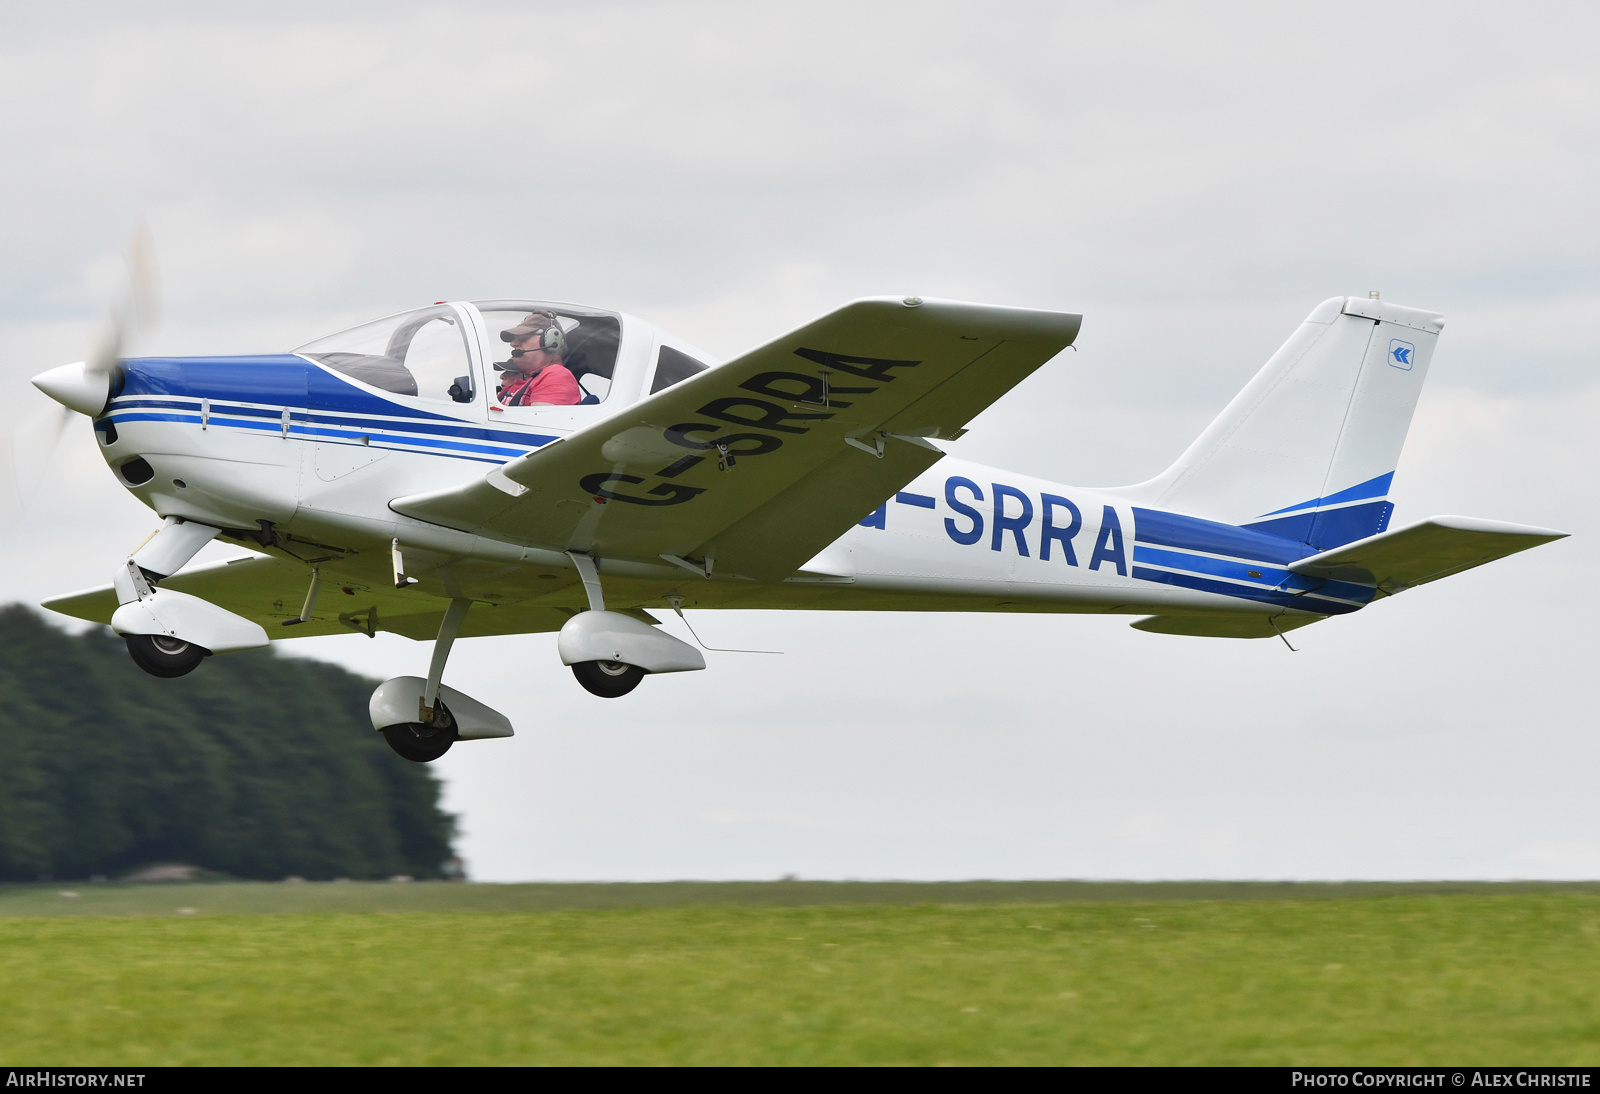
column 1332, row 521
column 1330, row 528
column 1372, row 488
column 1209, row 556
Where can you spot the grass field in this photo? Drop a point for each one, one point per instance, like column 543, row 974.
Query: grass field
column 800, row 973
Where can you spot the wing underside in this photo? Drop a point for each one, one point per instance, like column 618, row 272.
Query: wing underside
column 268, row 590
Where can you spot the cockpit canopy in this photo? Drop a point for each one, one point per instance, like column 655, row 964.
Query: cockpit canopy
column 427, row 353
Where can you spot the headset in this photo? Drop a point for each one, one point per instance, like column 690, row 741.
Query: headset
column 552, row 340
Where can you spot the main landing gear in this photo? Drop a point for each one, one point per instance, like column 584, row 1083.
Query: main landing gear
column 162, row 656
column 435, row 730
column 399, row 714
column 410, row 711
column 610, row 652
column 424, row 742
column 607, row 679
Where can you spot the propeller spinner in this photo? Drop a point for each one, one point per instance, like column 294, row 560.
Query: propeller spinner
column 85, row 386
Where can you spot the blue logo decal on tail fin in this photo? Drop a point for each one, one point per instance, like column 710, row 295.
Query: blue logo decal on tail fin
column 1400, row 354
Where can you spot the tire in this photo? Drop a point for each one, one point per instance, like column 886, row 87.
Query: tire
column 421, row 743
column 165, row 657
column 607, row 679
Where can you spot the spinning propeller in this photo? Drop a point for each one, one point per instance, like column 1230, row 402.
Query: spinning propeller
column 83, row 387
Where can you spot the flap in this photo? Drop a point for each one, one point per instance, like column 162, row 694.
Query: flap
column 1422, row 552
column 760, row 462
column 267, row 590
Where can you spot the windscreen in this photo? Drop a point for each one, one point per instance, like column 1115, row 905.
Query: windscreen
column 421, row 353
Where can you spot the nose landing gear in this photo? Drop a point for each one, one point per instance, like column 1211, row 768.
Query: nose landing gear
column 169, row 633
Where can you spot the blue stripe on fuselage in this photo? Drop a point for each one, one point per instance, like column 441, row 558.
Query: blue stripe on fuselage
column 1266, row 577
column 1214, row 537
column 1247, row 545
column 393, row 441
column 1205, row 564
column 448, row 428
column 279, row 379
column 312, row 393
column 1308, row 601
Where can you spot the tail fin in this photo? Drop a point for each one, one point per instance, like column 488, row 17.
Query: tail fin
column 1308, row 449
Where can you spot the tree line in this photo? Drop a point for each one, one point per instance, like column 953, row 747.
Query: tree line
column 254, row 765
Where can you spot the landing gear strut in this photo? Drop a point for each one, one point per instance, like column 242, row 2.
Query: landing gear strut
column 165, row 657
column 607, row 679
column 434, row 731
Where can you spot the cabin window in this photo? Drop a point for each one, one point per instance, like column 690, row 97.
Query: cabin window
column 673, row 367
column 521, row 333
column 420, row 353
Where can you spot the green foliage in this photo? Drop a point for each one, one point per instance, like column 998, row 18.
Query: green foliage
column 1457, row 980
column 252, row 765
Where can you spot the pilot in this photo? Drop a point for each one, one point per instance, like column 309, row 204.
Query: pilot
column 535, row 375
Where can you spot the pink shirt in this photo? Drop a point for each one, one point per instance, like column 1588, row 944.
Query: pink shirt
column 552, row 384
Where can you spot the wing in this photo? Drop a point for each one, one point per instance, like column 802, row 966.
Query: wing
column 267, row 590
column 758, row 464
column 1422, row 552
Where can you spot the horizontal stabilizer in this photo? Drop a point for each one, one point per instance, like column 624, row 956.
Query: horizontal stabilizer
column 1224, row 624
column 1422, row 552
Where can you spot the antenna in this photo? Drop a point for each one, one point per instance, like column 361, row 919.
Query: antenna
column 677, row 606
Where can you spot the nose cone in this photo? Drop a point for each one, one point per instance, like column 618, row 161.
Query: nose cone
column 75, row 387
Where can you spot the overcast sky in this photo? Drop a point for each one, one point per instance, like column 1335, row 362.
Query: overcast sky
column 1193, row 179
